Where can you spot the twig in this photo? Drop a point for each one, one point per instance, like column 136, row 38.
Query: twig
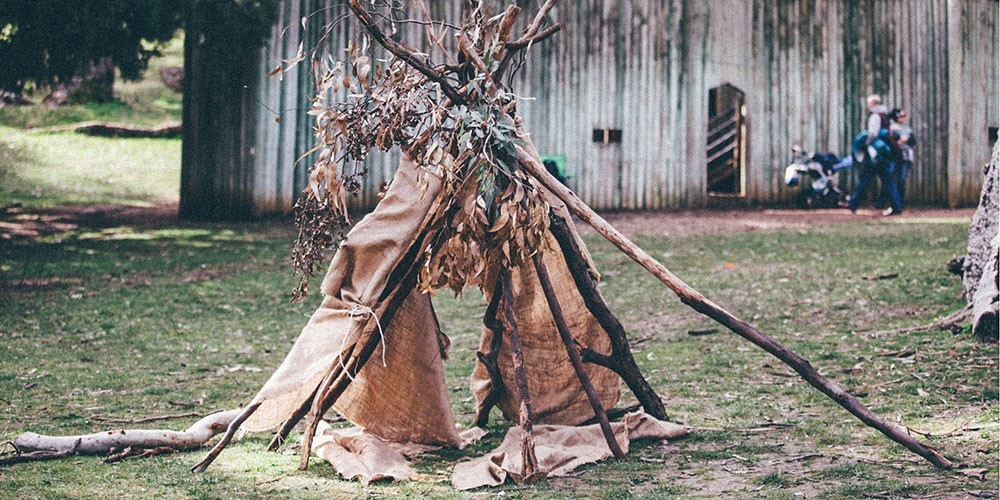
column 230, row 432
column 523, row 42
column 750, row 430
column 800, row 458
column 880, row 277
column 529, row 36
column 614, row 414
column 703, row 331
column 272, row 480
column 35, row 456
column 139, row 453
column 539, row 17
column 902, row 353
column 945, row 323
column 404, row 53
column 143, row 420
column 956, row 431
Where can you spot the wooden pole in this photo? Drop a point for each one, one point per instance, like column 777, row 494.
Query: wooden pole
column 574, row 356
column 489, row 359
column 529, row 463
column 698, row 302
column 620, row 361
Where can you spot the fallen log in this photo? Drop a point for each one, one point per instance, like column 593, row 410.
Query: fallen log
column 106, row 129
column 46, row 447
column 103, row 129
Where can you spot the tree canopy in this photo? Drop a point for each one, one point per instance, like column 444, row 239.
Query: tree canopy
column 51, row 41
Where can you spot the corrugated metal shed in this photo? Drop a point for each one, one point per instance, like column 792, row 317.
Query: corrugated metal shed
column 647, row 67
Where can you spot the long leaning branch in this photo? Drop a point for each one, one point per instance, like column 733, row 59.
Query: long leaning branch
column 698, row 302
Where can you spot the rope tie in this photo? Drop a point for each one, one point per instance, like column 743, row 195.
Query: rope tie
column 360, row 310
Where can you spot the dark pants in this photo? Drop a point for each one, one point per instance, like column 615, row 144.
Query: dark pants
column 868, row 172
column 898, row 172
column 894, row 185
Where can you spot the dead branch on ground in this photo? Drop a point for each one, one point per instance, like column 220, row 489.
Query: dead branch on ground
column 949, row 322
column 143, row 420
column 30, row 446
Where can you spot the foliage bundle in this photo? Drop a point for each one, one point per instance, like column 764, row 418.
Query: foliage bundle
column 455, row 119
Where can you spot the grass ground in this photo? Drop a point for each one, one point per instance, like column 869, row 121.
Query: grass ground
column 131, row 321
column 139, row 317
column 43, row 166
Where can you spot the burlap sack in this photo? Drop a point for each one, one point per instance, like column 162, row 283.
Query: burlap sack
column 355, row 454
column 559, row 449
column 557, row 396
column 400, row 394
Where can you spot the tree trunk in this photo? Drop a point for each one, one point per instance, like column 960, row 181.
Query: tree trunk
column 980, row 276
column 219, row 122
column 95, row 83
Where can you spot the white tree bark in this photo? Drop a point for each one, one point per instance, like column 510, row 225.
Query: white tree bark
column 986, row 300
column 980, row 270
column 104, row 442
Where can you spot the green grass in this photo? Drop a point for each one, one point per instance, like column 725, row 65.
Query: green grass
column 42, row 170
column 137, row 321
column 42, row 167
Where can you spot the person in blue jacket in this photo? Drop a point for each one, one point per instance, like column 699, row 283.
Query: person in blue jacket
column 871, row 150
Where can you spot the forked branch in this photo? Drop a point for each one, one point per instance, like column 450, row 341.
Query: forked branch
column 403, row 52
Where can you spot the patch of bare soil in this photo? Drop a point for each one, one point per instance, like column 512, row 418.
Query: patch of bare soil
column 801, row 472
column 17, row 222
column 710, row 221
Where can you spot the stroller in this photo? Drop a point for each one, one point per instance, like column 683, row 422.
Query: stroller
column 817, row 174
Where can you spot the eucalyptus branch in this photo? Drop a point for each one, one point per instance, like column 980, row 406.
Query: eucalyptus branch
column 435, row 38
column 403, row 52
column 525, row 41
column 536, row 23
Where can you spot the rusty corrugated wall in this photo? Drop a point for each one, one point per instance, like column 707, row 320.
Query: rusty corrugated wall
column 645, row 67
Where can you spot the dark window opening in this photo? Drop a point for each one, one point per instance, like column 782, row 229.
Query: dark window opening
column 993, row 135
column 725, row 149
column 607, row 135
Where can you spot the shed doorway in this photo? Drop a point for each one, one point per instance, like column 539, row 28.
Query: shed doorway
column 725, row 151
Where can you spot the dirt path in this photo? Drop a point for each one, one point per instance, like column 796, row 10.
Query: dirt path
column 16, row 222
column 687, row 222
